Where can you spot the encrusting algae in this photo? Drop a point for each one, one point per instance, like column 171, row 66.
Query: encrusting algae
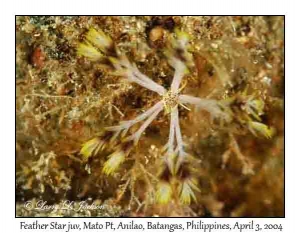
column 157, row 117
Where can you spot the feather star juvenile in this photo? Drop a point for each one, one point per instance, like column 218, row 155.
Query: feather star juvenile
column 100, row 46
column 170, row 99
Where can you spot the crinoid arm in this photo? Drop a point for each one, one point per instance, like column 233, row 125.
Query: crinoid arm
column 136, row 136
column 178, row 57
column 132, row 73
column 172, row 148
column 180, row 71
column 99, row 45
column 151, row 114
column 180, row 144
column 212, row 106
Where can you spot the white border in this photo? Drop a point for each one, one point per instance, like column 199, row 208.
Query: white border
column 8, row 10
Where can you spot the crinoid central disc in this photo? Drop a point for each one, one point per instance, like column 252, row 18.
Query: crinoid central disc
column 170, row 101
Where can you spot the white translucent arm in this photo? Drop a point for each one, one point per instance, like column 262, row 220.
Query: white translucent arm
column 149, row 83
column 180, row 143
column 127, row 124
column 134, row 75
column 136, row 136
column 170, row 145
column 180, row 68
column 207, row 104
